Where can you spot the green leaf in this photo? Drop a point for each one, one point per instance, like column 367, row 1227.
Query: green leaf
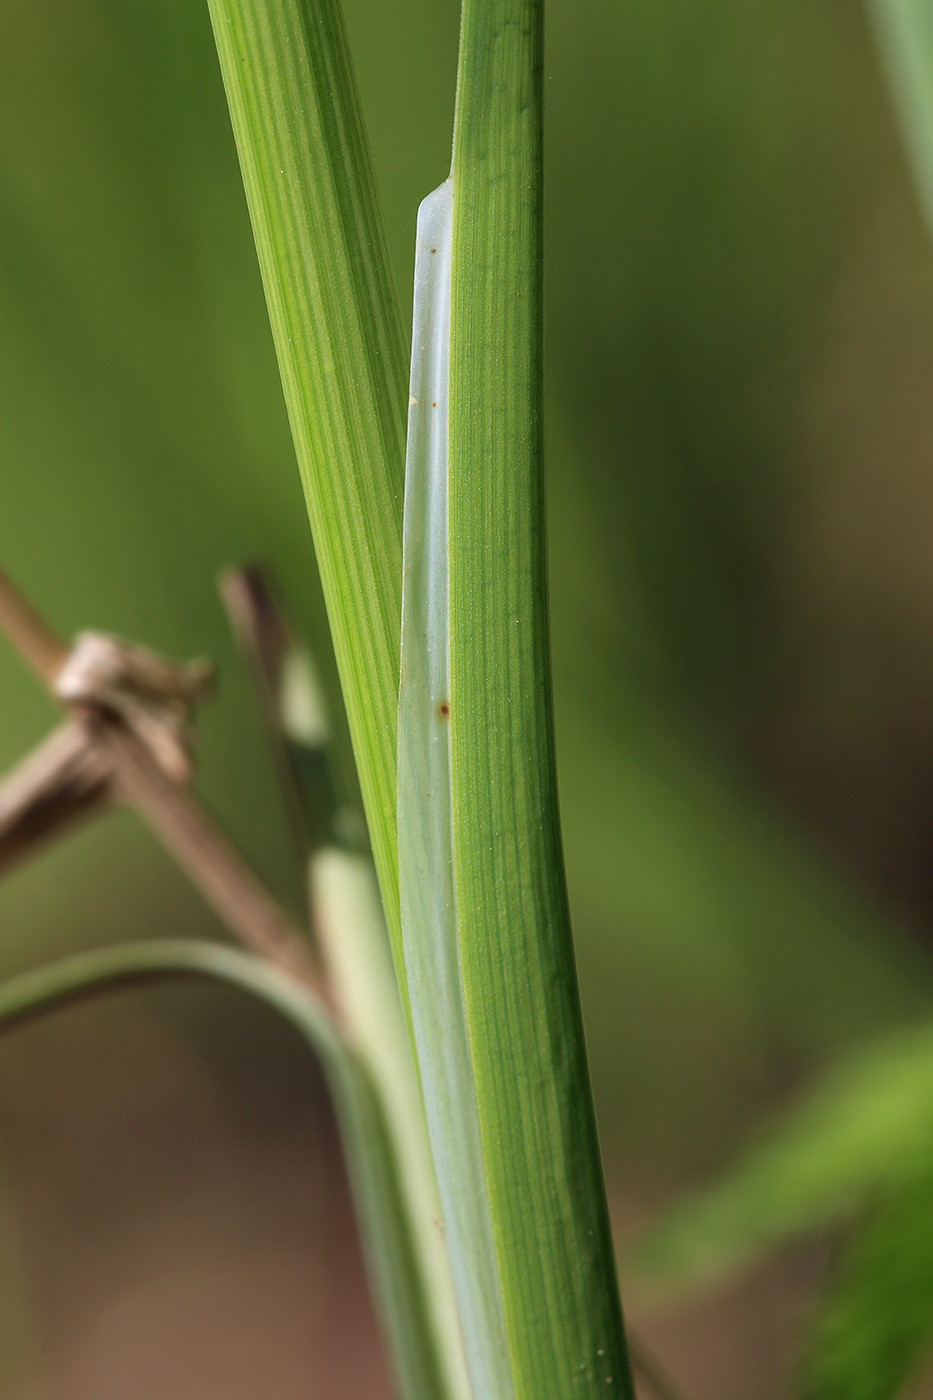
column 487, row 936
column 868, row 1126
column 326, row 271
column 878, row 1318
column 372, row 1165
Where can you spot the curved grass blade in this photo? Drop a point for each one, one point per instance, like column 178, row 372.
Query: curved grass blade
column 372, row 1167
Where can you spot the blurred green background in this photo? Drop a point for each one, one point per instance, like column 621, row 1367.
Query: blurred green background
column 740, row 348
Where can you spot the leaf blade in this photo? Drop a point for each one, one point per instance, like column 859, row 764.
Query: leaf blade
column 547, row 1198
column 878, row 1317
column 867, row 1127
column 332, row 305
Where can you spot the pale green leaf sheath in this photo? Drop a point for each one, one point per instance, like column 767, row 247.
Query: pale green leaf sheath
column 488, row 950
column 352, row 933
column 428, row 899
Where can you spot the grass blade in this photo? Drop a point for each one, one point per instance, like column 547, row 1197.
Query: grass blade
column 325, row 267
column 490, row 959
column 547, row 1198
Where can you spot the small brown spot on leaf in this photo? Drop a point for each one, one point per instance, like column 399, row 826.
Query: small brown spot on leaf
column 443, row 709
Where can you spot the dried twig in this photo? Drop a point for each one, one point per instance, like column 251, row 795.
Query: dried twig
column 35, row 641
column 218, row 870
column 298, row 732
column 128, row 740
column 66, row 779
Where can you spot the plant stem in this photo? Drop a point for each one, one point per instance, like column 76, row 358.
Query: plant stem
column 543, row 1173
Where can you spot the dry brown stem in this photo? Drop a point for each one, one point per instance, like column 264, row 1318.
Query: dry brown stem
column 133, row 749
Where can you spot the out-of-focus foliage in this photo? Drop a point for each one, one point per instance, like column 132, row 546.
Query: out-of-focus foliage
column 878, row 1317
column 862, row 1147
column 865, row 1132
